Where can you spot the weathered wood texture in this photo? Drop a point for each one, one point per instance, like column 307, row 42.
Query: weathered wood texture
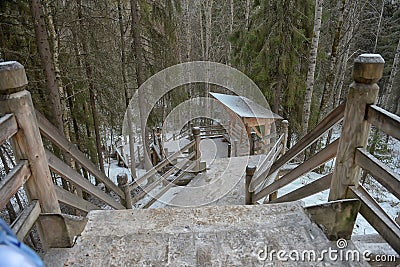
column 25, row 221
column 317, row 160
column 27, row 141
column 55, row 136
column 377, row 217
column 363, row 91
column 8, row 127
column 384, row 120
column 73, row 200
column 160, row 165
column 327, row 123
column 10, row 183
column 250, row 170
column 65, row 171
column 310, row 189
column 383, row 174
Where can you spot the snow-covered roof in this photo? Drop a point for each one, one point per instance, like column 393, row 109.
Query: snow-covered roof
column 244, row 107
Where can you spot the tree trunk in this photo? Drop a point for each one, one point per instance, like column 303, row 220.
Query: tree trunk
column 311, row 66
column 389, row 85
column 92, row 89
column 140, row 77
column 333, row 58
column 47, row 63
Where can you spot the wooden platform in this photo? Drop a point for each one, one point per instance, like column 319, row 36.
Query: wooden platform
column 208, row 236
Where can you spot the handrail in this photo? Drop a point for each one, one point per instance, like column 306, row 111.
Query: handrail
column 310, row 189
column 10, row 184
column 384, row 120
column 72, row 200
column 25, row 221
column 317, row 160
column 377, row 217
column 62, row 169
column 266, row 164
column 327, row 123
column 160, row 165
column 150, row 187
column 383, row 174
column 54, row 135
column 8, row 127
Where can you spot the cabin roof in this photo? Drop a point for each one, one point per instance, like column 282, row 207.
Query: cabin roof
column 244, row 107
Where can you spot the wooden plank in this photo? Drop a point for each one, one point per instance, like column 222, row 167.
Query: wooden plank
column 382, row 173
column 62, row 169
column 25, row 221
column 73, row 200
column 160, row 165
column 8, row 127
column 168, row 186
column 54, row 135
column 377, row 217
column 384, row 120
column 317, row 160
column 327, row 123
column 10, row 184
column 310, row 189
column 153, row 185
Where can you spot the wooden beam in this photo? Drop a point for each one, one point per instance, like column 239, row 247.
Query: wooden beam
column 74, row 201
column 8, row 127
column 327, row 123
column 10, row 184
column 384, row 120
column 377, row 217
column 55, row 136
column 310, row 189
column 160, row 165
column 26, row 219
column 62, row 169
column 317, row 160
column 382, row 173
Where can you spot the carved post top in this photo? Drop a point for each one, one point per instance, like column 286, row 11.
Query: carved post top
column 368, row 68
column 250, row 170
column 253, row 135
column 196, row 130
column 122, row 179
column 285, row 123
column 12, row 77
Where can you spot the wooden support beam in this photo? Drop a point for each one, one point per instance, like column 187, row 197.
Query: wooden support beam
column 65, row 171
column 363, row 91
column 336, row 218
column 55, row 136
column 327, row 123
column 10, row 183
column 314, row 162
column 74, row 201
column 383, row 174
column 310, row 189
column 377, row 217
column 8, row 127
column 26, row 219
column 384, row 120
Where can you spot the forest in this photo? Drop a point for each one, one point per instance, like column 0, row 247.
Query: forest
column 85, row 59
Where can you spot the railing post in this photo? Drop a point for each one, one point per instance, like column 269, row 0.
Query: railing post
column 250, row 170
column 367, row 71
column 235, row 147
column 252, row 142
column 196, row 136
column 229, row 150
column 122, row 180
column 27, row 142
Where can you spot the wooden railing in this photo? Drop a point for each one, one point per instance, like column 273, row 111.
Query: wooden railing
column 189, row 163
column 357, row 114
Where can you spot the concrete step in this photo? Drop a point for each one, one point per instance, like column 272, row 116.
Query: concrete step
column 207, row 236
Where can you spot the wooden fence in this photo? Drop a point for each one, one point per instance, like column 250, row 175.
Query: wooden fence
column 357, row 114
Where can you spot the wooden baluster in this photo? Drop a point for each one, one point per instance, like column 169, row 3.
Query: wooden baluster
column 250, row 170
column 367, row 71
column 122, row 180
column 196, row 136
